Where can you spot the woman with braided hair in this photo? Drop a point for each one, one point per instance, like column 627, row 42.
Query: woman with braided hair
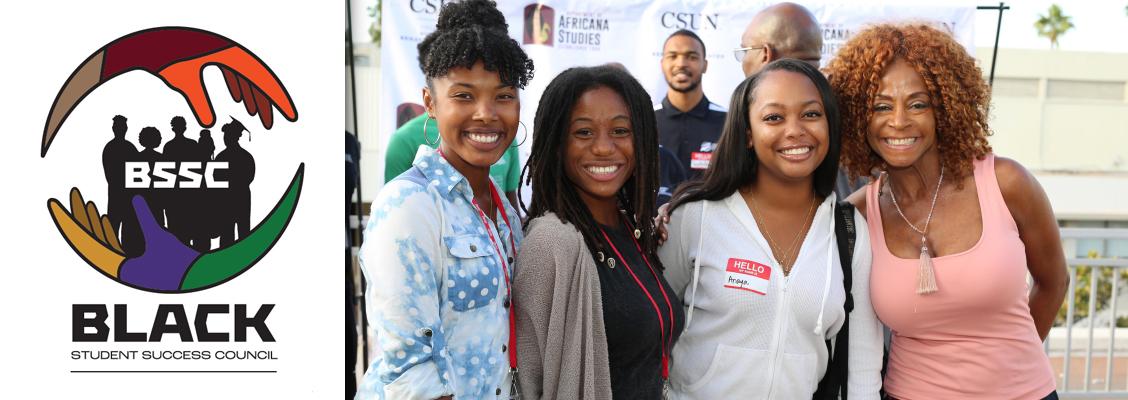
column 439, row 246
column 595, row 318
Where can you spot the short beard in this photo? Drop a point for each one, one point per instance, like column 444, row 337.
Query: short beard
column 692, row 86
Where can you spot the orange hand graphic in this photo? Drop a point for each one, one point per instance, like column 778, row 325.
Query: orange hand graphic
column 177, row 56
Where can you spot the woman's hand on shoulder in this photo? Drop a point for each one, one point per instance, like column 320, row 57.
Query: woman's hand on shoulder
column 660, row 222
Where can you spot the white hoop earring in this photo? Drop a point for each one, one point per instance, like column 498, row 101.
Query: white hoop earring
column 428, row 141
column 522, row 142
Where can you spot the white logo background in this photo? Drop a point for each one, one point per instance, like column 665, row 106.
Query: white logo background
column 42, row 277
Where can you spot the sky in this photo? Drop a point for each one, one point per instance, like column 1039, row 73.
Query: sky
column 1099, row 25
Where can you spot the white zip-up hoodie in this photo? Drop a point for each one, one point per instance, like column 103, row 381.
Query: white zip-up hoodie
column 752, row 338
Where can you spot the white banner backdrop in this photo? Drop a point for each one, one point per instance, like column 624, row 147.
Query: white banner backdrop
column 572, row 33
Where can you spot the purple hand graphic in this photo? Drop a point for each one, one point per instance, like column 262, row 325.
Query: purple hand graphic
column 164, row 262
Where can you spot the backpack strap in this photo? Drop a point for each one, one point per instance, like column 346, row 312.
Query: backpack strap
column 846, row 234
column 833, row 383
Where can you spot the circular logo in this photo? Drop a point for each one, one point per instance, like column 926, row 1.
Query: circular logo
column 167, row 205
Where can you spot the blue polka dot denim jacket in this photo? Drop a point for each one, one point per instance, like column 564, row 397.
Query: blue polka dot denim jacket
column 436, row 294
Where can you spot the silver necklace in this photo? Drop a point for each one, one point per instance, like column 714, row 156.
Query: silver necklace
column 926, row 276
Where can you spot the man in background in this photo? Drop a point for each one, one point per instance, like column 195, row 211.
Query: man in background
column 786, row 30
column 689, row 125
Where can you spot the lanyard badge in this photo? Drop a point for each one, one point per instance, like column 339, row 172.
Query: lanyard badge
column 662, row 320
column 514, row 391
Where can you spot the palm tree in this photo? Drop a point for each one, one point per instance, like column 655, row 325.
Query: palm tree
column 1053, row 25
column 374, row 29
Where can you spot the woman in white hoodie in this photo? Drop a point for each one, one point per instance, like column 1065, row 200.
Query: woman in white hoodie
column 753, row 253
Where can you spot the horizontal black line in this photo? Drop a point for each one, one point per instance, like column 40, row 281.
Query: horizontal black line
column 173, row 372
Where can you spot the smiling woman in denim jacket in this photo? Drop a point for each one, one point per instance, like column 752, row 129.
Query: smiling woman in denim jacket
column 439, row 246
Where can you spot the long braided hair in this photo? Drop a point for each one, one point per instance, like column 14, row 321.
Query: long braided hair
column 554, row 192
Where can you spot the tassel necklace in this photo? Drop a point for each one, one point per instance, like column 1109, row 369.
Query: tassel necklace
column 926, row 277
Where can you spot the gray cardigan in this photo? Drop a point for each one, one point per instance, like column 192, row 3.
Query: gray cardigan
column 561, row 339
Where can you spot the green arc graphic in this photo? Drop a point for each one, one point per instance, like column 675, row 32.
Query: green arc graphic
column 221, row 265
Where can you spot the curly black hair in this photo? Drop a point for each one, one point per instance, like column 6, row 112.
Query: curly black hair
column 470, row 31
column 150, row 137
column 689, row 34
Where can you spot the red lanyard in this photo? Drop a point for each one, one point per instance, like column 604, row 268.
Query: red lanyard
column 504, row 268
column 504, row 264
column 661, row 321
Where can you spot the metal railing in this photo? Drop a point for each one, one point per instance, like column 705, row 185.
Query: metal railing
column 1094, row 268
column 1064, row 353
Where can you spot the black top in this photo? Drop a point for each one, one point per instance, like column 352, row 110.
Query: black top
column 633, row 334
column 114, row 156
column 181, row 148
column 670, row 175
column 240, row 170
column 693, row 131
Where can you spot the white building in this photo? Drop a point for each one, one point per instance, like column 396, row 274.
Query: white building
column 1064, row 115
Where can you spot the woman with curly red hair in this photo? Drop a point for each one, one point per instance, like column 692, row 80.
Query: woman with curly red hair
column 956, row 229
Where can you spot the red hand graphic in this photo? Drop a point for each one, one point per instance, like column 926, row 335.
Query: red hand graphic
column 178, row 56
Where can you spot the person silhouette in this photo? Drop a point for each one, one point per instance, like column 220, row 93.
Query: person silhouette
column 240, row 173
column 206, row 146
column 178, row 204
column 206, row 228
column 114, row 155
column 150, row 139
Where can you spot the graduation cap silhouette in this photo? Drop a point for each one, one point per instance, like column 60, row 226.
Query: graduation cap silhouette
column 235, row 127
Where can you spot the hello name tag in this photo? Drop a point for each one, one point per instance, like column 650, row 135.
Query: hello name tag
column 700, row 160
column 747, row 275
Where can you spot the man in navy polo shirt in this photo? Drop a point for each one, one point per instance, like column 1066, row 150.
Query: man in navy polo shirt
column 670, row 175
column 688, row 124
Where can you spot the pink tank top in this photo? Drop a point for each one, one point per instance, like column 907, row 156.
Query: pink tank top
column 974, row 338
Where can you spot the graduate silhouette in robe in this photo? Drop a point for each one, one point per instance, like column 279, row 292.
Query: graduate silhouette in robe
column 236, row 199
